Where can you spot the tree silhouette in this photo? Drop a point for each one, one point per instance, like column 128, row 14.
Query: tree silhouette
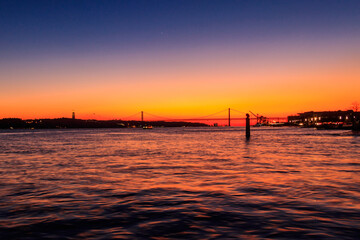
column 355, row 106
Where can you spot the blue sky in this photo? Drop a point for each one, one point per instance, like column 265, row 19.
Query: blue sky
column 55, row 27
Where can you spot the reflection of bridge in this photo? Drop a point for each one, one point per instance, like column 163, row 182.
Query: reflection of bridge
column 218, row 116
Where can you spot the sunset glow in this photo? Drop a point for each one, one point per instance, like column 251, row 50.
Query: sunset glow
column 179, row 119
column 188, row 64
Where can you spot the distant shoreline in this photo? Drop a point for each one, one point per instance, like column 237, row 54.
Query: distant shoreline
column 64, row 123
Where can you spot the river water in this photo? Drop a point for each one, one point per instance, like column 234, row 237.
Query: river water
column 179, row 183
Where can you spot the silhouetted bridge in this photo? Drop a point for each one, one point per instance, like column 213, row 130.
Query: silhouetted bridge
column 229, row 117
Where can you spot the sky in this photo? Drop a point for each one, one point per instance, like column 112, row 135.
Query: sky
column 112, row 59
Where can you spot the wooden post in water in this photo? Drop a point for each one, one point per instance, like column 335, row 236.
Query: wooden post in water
column 229, row 116
column 247, row 126
column 142, row 116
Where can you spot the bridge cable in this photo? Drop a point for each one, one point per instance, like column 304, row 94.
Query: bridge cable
column 237, row 111
column 213, row 114
column 136, row 114
column 159, row 116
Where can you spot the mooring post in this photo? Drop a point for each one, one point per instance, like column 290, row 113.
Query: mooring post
column 229, row 116
column 247, row 126
column 142, row 116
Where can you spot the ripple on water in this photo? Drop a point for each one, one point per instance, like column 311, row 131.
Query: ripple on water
column 179, row 184
column 174, row 213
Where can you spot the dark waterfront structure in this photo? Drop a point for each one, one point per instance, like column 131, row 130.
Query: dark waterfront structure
column 328, row 119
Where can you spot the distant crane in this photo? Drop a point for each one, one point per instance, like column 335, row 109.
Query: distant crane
column 257, row 116
column 260, row 119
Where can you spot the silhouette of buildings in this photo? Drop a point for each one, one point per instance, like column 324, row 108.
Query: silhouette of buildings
column 314, row 119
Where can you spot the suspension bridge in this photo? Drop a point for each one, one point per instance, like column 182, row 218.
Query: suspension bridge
column 229, row 115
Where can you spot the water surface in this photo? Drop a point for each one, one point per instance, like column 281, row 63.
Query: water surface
column 179, row 183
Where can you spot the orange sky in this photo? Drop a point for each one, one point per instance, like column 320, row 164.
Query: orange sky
column 177, row 59
column 271, row 80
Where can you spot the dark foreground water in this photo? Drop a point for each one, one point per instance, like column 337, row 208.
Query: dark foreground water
column 187, row 183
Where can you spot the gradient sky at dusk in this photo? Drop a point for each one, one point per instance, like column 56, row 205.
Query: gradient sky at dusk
column 109, row 59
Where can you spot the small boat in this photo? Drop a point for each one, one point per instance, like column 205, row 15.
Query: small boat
column 277, row 124
column 259, row 125
column 328, row 126
column 335, row 126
